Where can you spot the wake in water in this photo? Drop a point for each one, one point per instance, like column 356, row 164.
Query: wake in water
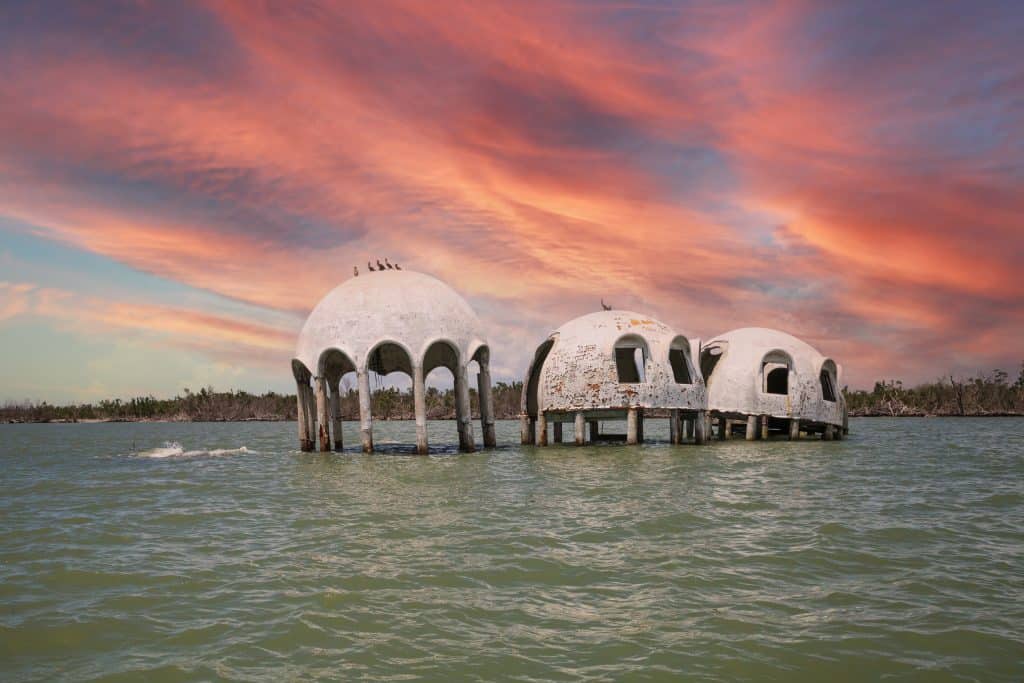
column 173, row 449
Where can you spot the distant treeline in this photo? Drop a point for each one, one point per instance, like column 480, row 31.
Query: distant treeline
column 987, row 394
column 208, row 405
column 991, row 394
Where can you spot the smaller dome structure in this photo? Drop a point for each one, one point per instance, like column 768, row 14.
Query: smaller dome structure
column 772, row 381
column 389, row 321
column 612, row 365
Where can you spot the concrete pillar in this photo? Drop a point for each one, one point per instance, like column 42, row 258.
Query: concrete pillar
column 701, row 427
column 723, row 428
column 310, row 399
column 764, row 426
column 675, row 427
column 335, row 409
column 837, row 433
column 595, row 430
column 794, row 429
column 526, row 430
column 557, row 429
column 687, row 429
column 419, row 406
column 463, row 416
column 578, row 426
column 640, row 425
column 632, row 427
column 305, row 437
column 323, row 415
column 542, row 429
column 753, row 429
column 829, row 433
column 483, row 387
column 365, row 417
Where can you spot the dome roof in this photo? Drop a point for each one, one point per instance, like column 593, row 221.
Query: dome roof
column 577, row 367
column 735, row 365
column 409, row 310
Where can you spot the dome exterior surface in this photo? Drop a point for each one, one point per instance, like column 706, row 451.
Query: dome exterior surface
column 736, row 384
column 400, row 307
column 580, row 371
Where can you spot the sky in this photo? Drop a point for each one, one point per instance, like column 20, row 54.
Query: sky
column 180, row 183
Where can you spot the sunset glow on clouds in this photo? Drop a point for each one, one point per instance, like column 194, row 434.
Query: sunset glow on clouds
column 850, row 173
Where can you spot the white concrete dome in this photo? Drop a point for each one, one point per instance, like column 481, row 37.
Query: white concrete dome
column 613, row 360
column 386, row 321
column 760, row 371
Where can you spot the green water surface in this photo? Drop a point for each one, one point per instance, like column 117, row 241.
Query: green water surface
column 170, row 552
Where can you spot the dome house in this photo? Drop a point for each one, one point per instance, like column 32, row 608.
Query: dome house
column 389, row 321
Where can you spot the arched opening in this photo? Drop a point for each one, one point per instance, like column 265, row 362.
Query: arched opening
column 530, row 391
column 440, row 386
column 775, row 369
column 679, row 359
column 827, row 377
column 631, row 356
column 710, row 355
column 337, row 368
column 388, row 394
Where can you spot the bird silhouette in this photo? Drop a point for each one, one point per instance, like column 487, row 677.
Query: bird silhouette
column 398, row 267
column 605, row 306
column 355, row 271
column 369, row 267
column 380, row 266
column 390, row 267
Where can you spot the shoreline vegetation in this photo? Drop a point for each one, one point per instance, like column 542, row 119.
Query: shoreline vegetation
column 987, row 395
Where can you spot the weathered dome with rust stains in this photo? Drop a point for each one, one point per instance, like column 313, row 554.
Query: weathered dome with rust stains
column 759, row 371
column 613, row 360
column 387, row 321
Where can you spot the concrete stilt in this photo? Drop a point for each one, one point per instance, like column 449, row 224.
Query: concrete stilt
column 365, row 417
column 542, row 429
column 419, row 406
column 764, row 426
column 753, row 430
column 578, row 427
column 701, row 427
column 675, row 427
column 632, row 428
column 640, row 425
column 463, row 416
column 828, row 434
column 483, row 383
column 794, row 429
column 323, row 415
column 335, row 408
column 305, row 437
column 557, row 429
column 595, row 430
column 310, row 399
column 723, row 429
column 837, row 433
column 526, row 430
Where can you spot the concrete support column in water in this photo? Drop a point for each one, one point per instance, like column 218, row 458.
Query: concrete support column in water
column 365, row 416
column 701, row 426
column 632, row 426
column 335, row 408
column 483, row 381
column 578, row 430
column 542, row 429
column 462, row 411
column 419, row 401
column 595, row 430
column 557, row 429
column 526, row 430
column 323, row 415
column 752, row 428
column 305, row 437
column 675, row 427
column 794, row 429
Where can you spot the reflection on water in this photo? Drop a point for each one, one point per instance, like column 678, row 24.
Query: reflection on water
column 216, row 551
